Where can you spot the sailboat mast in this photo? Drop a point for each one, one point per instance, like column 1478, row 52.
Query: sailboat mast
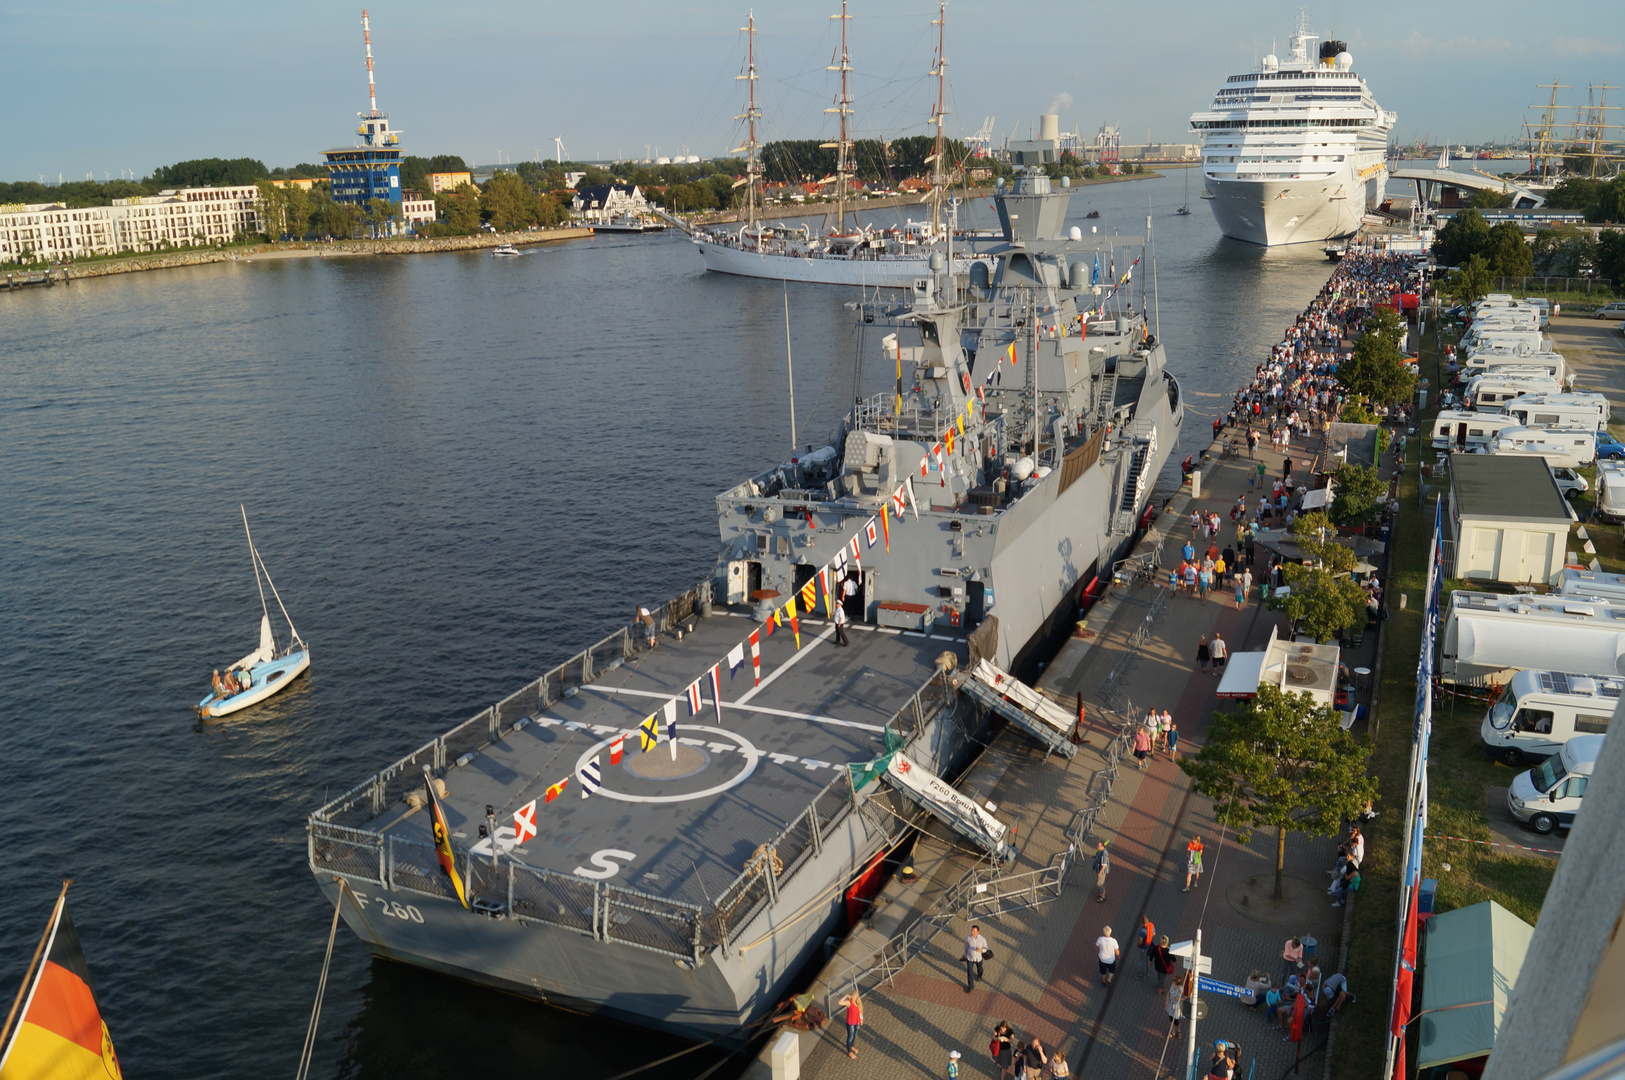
column 843, row 106
column 255, row 556
column 941, row 72
column 750, row 116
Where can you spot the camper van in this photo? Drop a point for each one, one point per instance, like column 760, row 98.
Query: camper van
column 1493, row 389
column 1490, row 637
column 1572, row 581
column 1455, row 429
column 1572, row 448
column 1578, row 410
column 1506, row 335
column 1548, row 796
column 1610, row 491
column 1489, row 360
column 1541, row 710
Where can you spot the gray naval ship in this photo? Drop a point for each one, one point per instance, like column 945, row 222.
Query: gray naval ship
column 692, row 887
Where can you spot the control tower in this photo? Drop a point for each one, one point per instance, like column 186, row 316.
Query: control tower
column 372, row 168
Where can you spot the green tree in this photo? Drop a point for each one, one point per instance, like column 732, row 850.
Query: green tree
column 1323, row 599
column 272, row 209
column 297, row 211
column 1609, row 258
column 1463, row 236
column 1610, row 203
column 1281, row 761
column 508, row 202
column 1376, row 371
column 210, row 172
column 1575, row 193
column 1359, row 494
column 1507, row 253
column 380, row 214
column 459, row 211
column 1470, row 282
column 1485, row 199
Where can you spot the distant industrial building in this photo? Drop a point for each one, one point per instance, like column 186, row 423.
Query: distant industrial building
column 448, row 181
column 371, row 170
column 184, row 217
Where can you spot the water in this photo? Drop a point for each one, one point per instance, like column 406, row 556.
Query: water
column 460, row 470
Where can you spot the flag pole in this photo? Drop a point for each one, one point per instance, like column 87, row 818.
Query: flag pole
column 28, row 976
column 790, row 368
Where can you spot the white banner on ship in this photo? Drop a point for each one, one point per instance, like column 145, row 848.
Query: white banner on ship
column 1019, row 692
column 958, row 810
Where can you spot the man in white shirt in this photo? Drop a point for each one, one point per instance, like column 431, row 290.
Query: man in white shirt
column 975, row 950
column 840, row 625
column 1220, row 653
column 1106, row 946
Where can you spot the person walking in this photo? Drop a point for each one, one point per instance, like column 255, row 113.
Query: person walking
column 1172, row 735
column 854, row 1021
column 1103, row 866
column 1241, row 592
column 1178, row 994
column 1163, row 962
column 1247, row 575
column 1058, row 1068
column 975, row 950
column 1034, row 1059
column 953, row 1065
column 1107, row 948
column 1203, row 654
column 1220, row 653
column 1142, row 745
column 1003, row 1049
column 840, row 626
column 1145, row 941
column 1193, row 863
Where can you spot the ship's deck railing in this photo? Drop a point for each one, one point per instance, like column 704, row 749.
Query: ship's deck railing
column 340, row 842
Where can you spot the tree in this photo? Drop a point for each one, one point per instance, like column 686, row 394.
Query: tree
column 272, row 209
column 1359, row 492
column 1376, row 370
column 297, row 211
column 210, row 172
column 1469, row 283
column 1575, row 193
column 1507, row 253
column 1486, row 199
column 1463, row 236
column 508, row 203
column 1562, row 251
column 459, row 210
column 1610, row 256
column 1323, row 599
column 380, row 214
column 1610, row 203
column 1281, row 760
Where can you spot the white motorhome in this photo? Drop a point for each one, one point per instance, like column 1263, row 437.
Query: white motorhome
column 1542, row 710
column 1548, row 796
column 1611, row 491
column 1454, row 428
column 1489, row 637
column 1576, row 410
column 1505, row 335
column 1598, row 583
column 1493, row 389
column 1489, row 360
column 1572, row 448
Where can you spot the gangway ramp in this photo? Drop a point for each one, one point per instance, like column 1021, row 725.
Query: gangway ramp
column 1032, row 712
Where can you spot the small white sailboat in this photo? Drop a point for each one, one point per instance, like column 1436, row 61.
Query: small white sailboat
column 268, row 668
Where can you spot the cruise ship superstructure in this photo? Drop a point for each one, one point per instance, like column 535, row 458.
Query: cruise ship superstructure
column 1294, row 152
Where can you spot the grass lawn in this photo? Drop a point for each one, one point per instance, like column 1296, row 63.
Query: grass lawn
column 1458, row 775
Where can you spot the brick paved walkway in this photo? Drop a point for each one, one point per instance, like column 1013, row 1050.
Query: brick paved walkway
column 1044, row 977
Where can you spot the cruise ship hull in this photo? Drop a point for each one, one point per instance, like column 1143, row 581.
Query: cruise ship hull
column 884, row 271
column 1272, row 213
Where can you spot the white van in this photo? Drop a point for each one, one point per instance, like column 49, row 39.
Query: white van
column 1571, row 448
column 1548, row 796
column 1453, row 428
column 1493, row 389
column 1572, row 581
column 1577, row 410
column 1610, row 491
column 1540, row 711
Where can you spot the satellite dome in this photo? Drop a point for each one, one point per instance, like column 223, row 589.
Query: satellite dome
column 1271, row 63
column 1344, row 61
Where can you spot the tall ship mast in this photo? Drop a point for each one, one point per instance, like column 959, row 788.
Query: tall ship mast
column 668, row 825
column 1294, row 152
column 862, row 255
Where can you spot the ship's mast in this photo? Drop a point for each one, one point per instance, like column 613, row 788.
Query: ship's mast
column 937, row 114
column 1544, row 144
column 366, row 36
column 750, row 116
column 843, row 106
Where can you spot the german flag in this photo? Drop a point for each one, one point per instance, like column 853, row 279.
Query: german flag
column 442, row 840
column 60, row 1035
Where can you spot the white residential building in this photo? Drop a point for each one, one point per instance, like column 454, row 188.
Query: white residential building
column 184, row 217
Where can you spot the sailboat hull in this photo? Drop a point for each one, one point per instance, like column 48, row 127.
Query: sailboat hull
column 269, row 678
column 883, row 271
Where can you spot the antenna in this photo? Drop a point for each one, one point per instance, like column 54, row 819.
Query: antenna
column 366, row 36
column 843, row 106
column 940, row 70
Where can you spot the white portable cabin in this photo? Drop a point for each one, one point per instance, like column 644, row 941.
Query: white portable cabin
column 1461, row 430
column 1490, row 637
column 1506, row 519
column 1572, row 448
column 1575, row 410
column 1542, row 710
column 1610, row 490
column 1490, row 390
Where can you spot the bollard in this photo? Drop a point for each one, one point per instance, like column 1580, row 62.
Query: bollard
column 1196, row 484
column 786, row 1057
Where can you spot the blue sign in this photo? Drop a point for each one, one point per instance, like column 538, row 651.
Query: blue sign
column 1224, row 989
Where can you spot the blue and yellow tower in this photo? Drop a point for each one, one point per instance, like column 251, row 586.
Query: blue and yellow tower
column 372, row 169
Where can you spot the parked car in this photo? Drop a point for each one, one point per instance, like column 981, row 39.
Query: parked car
column 1612, row 311
column 1570, row 482
column 1609, row 447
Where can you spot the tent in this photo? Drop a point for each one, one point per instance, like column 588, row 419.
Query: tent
column 1241, row 675
column 1474, row 955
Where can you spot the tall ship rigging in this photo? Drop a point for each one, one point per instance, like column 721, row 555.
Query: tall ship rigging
column 1294, row 152
column 855, row 255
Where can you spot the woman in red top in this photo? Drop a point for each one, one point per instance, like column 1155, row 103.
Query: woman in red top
column 854, row 1020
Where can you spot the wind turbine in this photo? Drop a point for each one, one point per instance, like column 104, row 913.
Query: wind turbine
column 558, row 146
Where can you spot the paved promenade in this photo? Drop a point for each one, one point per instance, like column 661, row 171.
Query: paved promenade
column 1044, row 978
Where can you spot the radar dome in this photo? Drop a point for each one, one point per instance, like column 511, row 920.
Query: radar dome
column 1271, row 63
column 1074, row 233
column 1345, row 62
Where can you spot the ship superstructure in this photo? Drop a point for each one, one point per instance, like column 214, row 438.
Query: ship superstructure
column 732, row 755
column 1294, row 152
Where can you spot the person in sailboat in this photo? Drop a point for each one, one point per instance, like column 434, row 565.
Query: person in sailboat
column 219, row 685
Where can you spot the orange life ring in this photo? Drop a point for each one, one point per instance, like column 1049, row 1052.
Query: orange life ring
column 964, row 380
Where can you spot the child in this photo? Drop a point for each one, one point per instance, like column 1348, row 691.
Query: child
column 1058, row 1067
column 1272, row 1008
column 953, row 1065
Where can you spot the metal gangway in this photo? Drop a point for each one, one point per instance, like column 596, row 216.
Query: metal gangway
column 1048, row 723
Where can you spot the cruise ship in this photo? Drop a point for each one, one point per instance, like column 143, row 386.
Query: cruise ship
column 1294, row 153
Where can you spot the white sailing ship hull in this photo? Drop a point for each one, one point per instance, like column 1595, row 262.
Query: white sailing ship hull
column 883, row 271
column 1294, row 210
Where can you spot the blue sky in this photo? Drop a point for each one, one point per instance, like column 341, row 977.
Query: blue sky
column 117, row 85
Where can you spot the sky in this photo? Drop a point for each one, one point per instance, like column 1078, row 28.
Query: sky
column 119, row 86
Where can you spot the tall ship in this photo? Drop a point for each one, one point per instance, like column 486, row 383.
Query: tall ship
column 848, row 254
column 1294, row 152
column 668, row 826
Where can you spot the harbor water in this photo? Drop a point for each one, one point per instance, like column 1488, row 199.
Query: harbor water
column 460, row 470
